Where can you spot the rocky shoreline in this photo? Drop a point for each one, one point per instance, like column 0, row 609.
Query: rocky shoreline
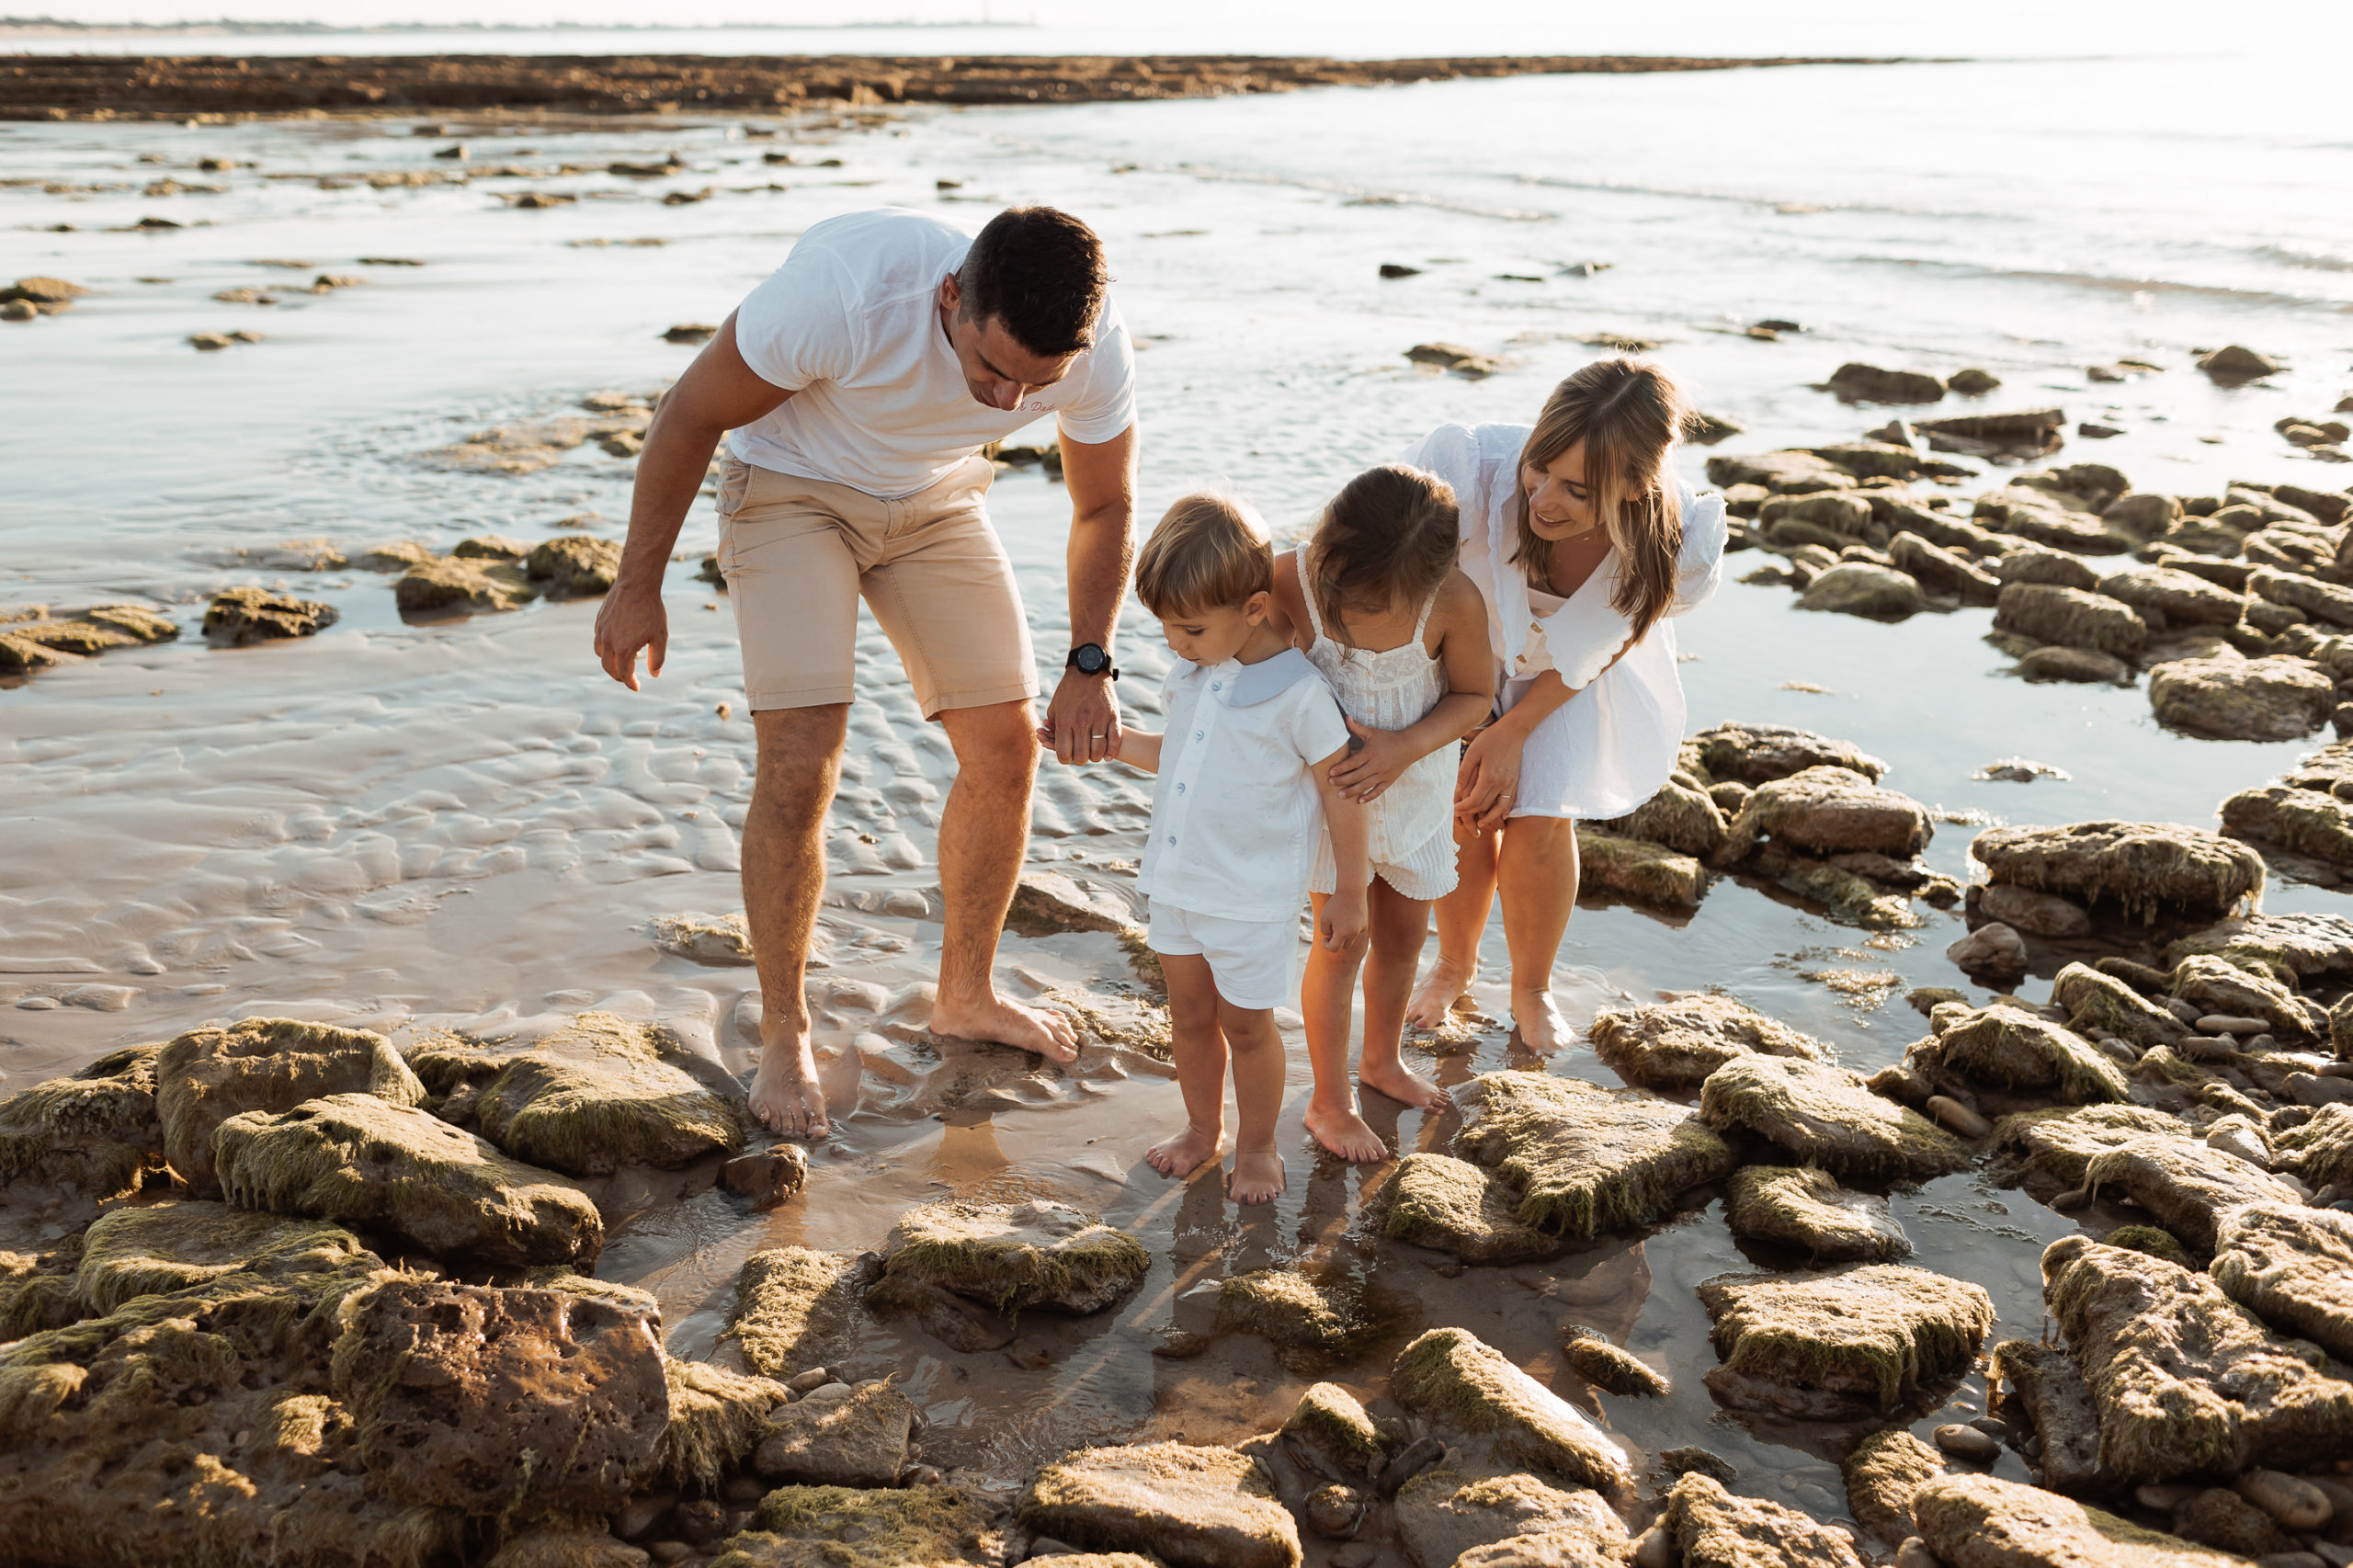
column 164, row 87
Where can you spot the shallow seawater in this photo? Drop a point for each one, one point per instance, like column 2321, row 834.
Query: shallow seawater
column 463, row 824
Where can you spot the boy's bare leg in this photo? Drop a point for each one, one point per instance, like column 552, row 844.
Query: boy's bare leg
column 1462, row 921
column 784, row 875
column 1257, row 1049
column 1199, row 1047
column 1538, row 877
column 1327, row 996
column 1398, row 927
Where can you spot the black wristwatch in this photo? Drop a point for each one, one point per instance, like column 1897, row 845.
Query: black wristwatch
column 1089, row 659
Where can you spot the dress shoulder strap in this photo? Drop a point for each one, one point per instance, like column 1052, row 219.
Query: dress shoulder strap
column 1307, row 591
column 1429, row 607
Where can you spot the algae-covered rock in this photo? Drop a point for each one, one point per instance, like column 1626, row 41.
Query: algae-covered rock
column 2014, row 1048
column 1978, row 1521
column 705, row 938
column 1674, row 1045
column 574, row 563
column 243, row 616
column 1436, row 1200
column 2184, row 1380
column 2304, row 821
column 2059, row 1145
column 1312, row 1323
column 716, row 1418
column 1583, row 1159
column 1805, row 1207
column 1828, row 811
column 794, row 1309
column 1713, row 1529
column 2306, row 946
column 208, row 1075
column 1442, row 1514
column 1861, row 587
column 2070, row 617
column 2236, row 698
column 36, row 1292
column 95, row 1131
column 2059, row 1402
column 2292, row 1265
column 2224, row 1520
column 2320, row 1151
column 598, row 1094
column 1637, row 871
column 2101, row 1004
column 358, row 1158
column 2216, row 984
column 840, row 1526
column 1871, row 1337
column 556, row 1545
column 1341, row 1439
column 1681, row 816
column 1882, row 1474
column 160, row 1247
column 1013, row 1257
column 2184, row 1183
column 1828, row 1116
column 2155, row 1241
column 1189, row 1507
column 859, row 1440
column 451, row 582
column 1758, row 754
column 2138, row 867
column 1452, row 1378
column 1610, row 1368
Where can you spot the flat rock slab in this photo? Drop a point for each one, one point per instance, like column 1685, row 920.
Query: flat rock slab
column 2186, row 1381
column 1758, row 754
column 1441, row 1514
column 1312, row 1323
column 2138, row 867
column 1190, row 1507
column 502, row 1401
column 1805, row 1207
column 1011, row 1257
column 1674, row 1045
column 367, row 1161
column 1827, row 1115
column 2186, row 1184
column 795, row 1309
column 2292, row 1265
column 2053, row 1390
column 2308, row 945
column 1452, row 1378
column 2215, row 984
column 860, row 1440
column 2275, row 698
column 1977, row 1521
column 1713, row 1529
column 1436, row 1200
column 839, row 1527
column 1583, row 1159
column 598, row 1095
column 2101, row 1004
column 151, row 1249
column 1638, row 871
column 1827, row 811
column 2013, row 1049
column 717, row 939
column 95, row 1131
column 1874, row 1338
column 206, row 1076
column 1881, row 1475
column 2058, row 1145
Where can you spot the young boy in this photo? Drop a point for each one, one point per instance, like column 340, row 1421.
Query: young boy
column 1243, row 790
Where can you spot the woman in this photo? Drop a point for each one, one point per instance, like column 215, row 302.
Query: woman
column 1581, row 544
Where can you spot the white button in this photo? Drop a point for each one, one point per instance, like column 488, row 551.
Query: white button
column 1180, row 788
column 1217, row 685
column 1172, row 838
column 1196, row 735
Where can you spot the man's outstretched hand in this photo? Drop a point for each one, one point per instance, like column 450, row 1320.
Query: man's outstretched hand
column 1082, row 720
column 631, row 622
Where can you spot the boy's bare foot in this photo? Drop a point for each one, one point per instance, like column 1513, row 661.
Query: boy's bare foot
column 1537, row 1018
column 1406, row 1087
column 1187, row 1152
column 1051, row 1035
column 1433, row 1000
column 786, row 1096
column 1340, row 1131
column 1257, row 1179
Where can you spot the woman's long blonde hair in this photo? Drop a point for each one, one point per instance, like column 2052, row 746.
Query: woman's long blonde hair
column 1629, row 413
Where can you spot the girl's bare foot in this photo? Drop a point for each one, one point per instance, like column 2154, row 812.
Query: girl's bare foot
column 1187, row 1152
column 1339, row 1130
column 1433, row 1000
column 1257, row 1179
column 786, row 1096
column 1537, row 1018
column 1406, row 1087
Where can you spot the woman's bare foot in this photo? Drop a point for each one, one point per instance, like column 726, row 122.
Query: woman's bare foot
column 1537, row 1018
column 1180, row 1156
column 1051, row 1035
column 786, row 1096
column 1257, row 1179
column 1433, row 1000
column 1406, row 1087
column 1340, row 1131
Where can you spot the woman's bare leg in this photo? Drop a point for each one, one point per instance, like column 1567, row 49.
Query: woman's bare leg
column 1258, row 1048
column 1462, row 921
column 1536, row 873
column 1199, row 1046
column 1327, row 996
column 1400, row 924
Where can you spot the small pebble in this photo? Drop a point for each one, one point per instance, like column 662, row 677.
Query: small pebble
column 1914, row 1553
column 815, row 1377
column 2118, row 1050
column 2074, row 1197
column 921, row 1475
column 1965, row 1442
column 1655, row 1549
column 2164, row 1497
column 2295, row 1502
column 2227, row 1022
column 669, row 1551
column 826, row 1393
column 1959, row 1116
column 1335, row 1511
column 1993, row 1426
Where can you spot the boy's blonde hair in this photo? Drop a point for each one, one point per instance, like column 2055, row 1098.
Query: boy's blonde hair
column 1210, row 551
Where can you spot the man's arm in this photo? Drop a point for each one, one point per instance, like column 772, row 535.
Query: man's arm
column 718, row 393
column 1083, row 718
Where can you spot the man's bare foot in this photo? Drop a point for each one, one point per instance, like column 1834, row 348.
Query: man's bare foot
column 1051, row 1035
column 1433, row 1000
column 1406, row 1087
column 1187, row 1152
column 1257, row 1179
column 1340, row 1131
column 1542, row 1027
column 786, row 1096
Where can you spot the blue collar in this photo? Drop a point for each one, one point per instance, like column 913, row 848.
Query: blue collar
column 1254, row 684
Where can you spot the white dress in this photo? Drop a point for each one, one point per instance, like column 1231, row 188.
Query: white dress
column 1612, row 746
column 1410, row 828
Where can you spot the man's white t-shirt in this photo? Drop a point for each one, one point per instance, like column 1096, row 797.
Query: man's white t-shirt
column 850, row 324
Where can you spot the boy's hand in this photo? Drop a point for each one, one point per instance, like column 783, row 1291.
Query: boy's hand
column 1375, row 760
column 1345, row 921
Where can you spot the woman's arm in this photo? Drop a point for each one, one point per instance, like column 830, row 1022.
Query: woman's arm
column 1460, row 622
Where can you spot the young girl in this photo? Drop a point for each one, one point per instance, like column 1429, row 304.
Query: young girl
column 1375, row 602
column 1242, row 802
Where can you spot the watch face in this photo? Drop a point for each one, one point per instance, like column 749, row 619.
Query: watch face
column 1090, row 658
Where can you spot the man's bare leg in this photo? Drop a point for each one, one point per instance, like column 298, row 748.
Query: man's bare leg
column 1462, row 921
column 784, row 875
column 1399, row 924
column 1538, row 875
column 984, row 833
column 1199, row 1047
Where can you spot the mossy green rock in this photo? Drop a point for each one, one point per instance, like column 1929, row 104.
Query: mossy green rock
column 2059, row 1405
column 1331, row 1424
column 1827, row 1115
column 556, row 1545
column 364, row 1160
column 36, row 1292
column 1805, row 1207
column 2137, row 867
column 1457, row 1381
column 2304, row 946
column 2058, row 1145
column 2292, row 1265
column 841, row 1526
column 2100, row 1003
column 2186, row 1381
column 1436, row 1200
column 857, row 1440
column 1190, row 1507
column 1442, row 1514
column 795, row 1309
column 1827, row 811
column 598, row 1095
column 1978, row 1521
column 1608, row 1366
column 1674, row 1045
column 1882, row 1474
column 1638, row 871
column 2013, row 1049
column 208, row 1075
column 95, row 1131
column 1015, row 1256
column 716, row 1418
column 1713, row 1529
column 451, row 582
column 161, row 1247
column 1312, row 1321
column 1583, row 1159
column 2186, row 1184
column 574, row 563
column 2320, row 1151
column 2217, row 984
column 1874, row 1338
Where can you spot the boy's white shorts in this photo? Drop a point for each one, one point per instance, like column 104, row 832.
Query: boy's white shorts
column 1254, row 962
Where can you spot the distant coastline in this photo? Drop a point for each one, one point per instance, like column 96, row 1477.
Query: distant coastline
column 224, row 27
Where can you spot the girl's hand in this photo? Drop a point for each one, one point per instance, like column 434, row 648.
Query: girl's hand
column 1375, row 760
column 1345, row 920
column 1486, row 787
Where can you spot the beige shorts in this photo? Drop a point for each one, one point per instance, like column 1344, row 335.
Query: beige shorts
column 797, row 553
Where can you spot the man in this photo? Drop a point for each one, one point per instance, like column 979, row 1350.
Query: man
column 859, row 383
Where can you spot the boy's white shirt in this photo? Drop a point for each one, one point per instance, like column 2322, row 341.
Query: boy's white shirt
column 1235, row 813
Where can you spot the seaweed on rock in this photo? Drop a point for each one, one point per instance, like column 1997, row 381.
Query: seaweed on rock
column 2140, row 868
column 1882, row 1476
column 842, row 1526
column 1980, row 1521
column 1452, row 1378
column 1805, row 1207
column 95, row 1130
column 1332, row 1425
column 795, row 1309
column 716, row 1418
column 1674, row 1045
column 1014, row 1256
column 1443, row 1514
column 1713, row 1529
column 2291, row 1265
column 1436, row 1200
column 1868, row 1337
column 1586, row 1159
column 1311, row 1322
column 2014, row 1048
column 1829, row 1116
column 206, row 1075
column 158, row 1248
column 1190, row 1507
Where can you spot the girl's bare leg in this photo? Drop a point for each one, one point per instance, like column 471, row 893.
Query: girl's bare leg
column 1399, row 926
column 1257, row 1049
column 1462, row 921
column 1199, row 1046
column 1327, row 995
column 1537, row 872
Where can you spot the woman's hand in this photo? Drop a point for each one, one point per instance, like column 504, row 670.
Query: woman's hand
column 1376, row 759
column 1486, row 787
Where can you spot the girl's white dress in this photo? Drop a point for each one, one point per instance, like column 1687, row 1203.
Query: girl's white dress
column 1610, row 747
column 1411, row 824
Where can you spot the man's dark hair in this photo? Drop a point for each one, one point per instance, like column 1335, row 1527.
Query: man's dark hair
column 1039, row 272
